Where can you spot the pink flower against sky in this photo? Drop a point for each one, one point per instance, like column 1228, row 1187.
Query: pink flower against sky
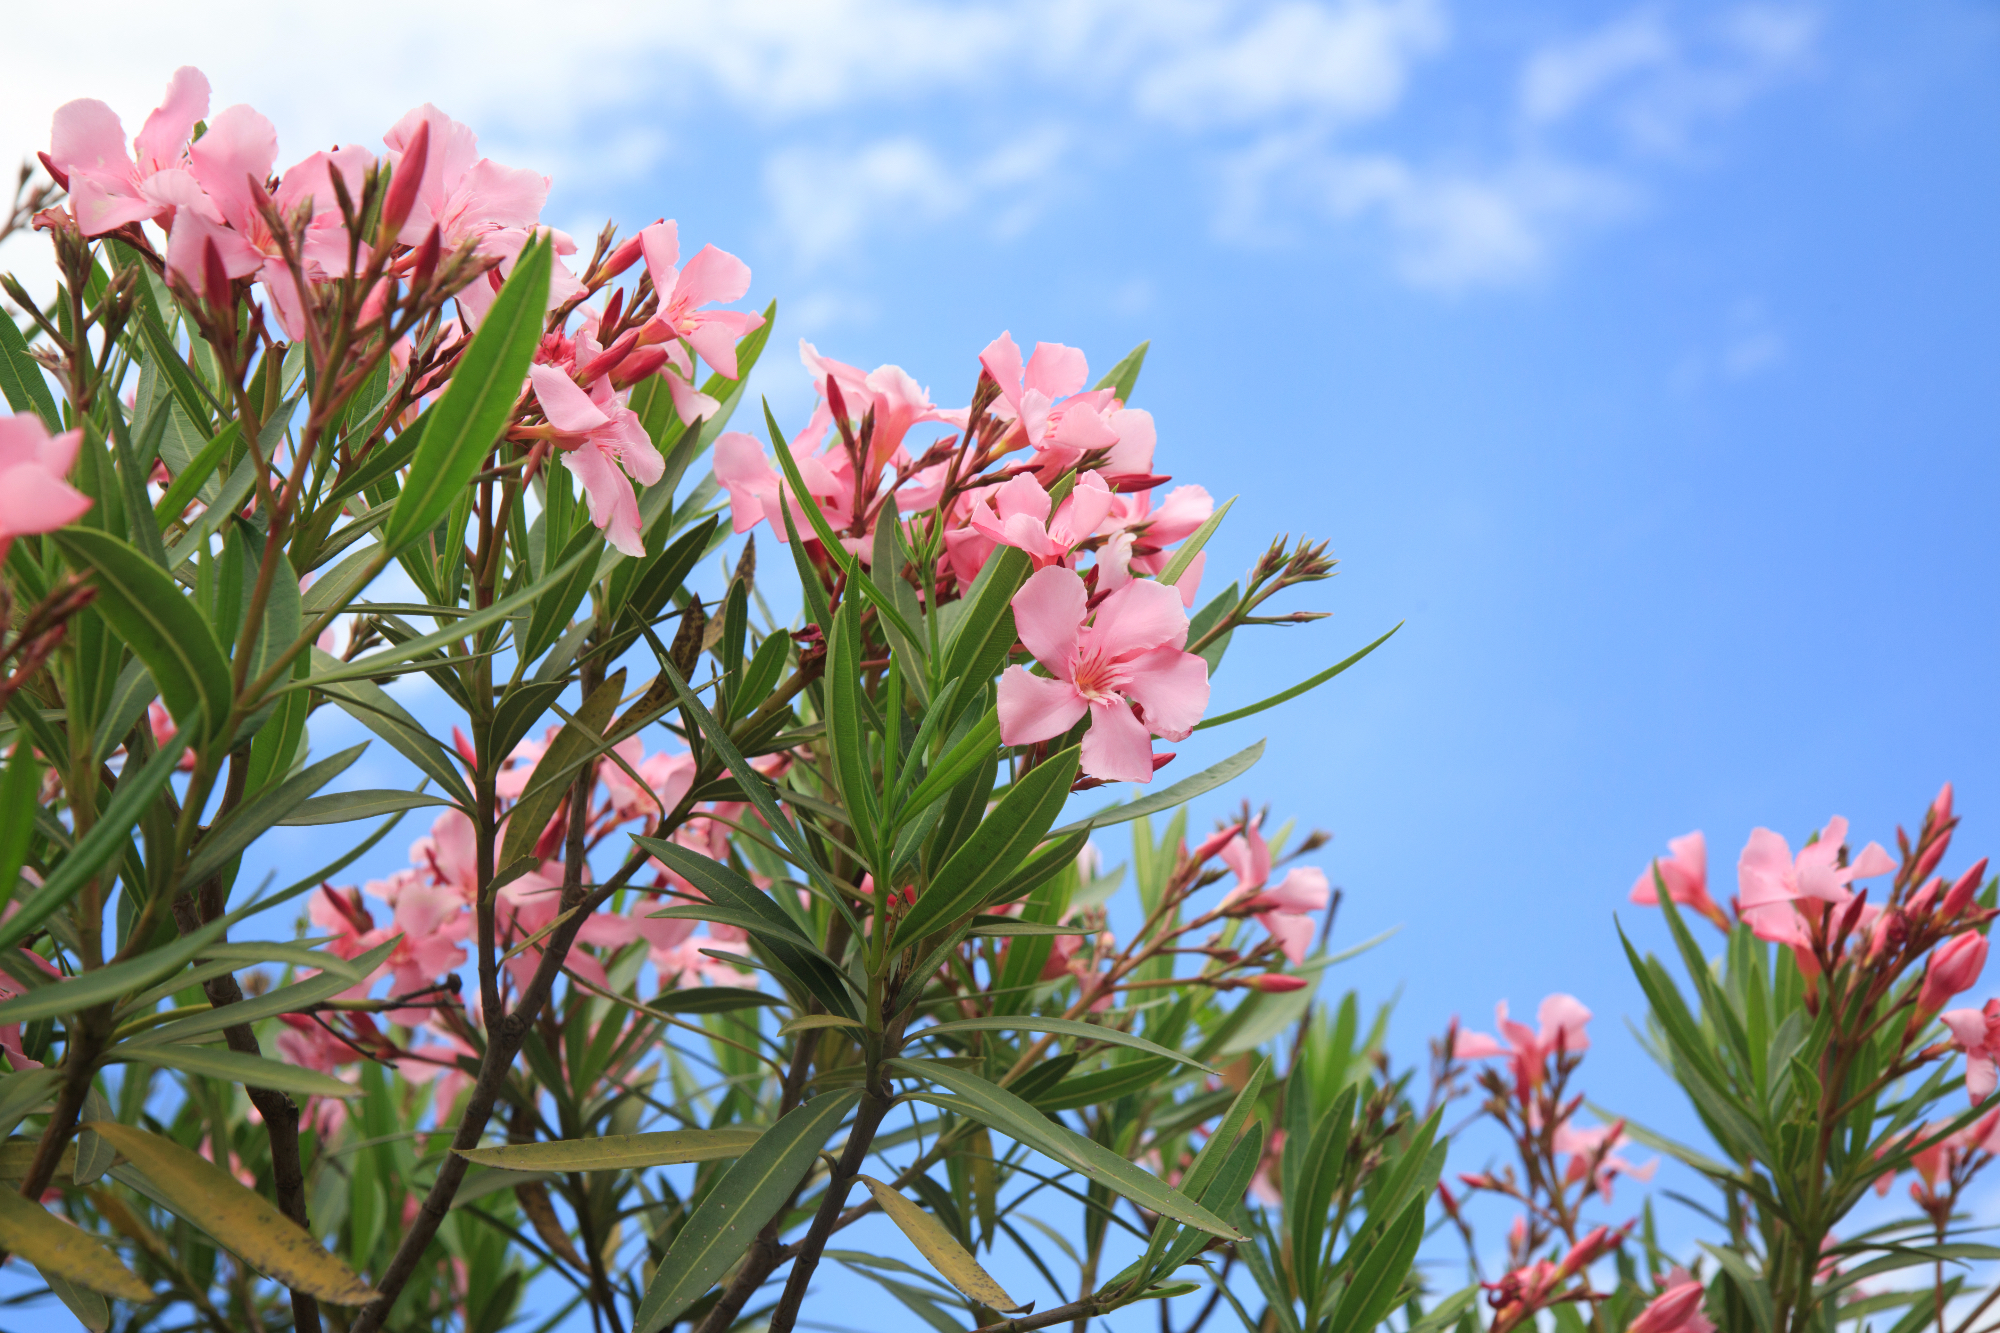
column 1685, row 874
column 1677, row 1309
column 1137, row 536
column 1124, row 667
column 597, row 434
column 1283, row 908
column 34, row 497
column 108, row 187
column 1977, row 1033
column 1561, row 1019
column 1051, row 412
column 1772, row 884
column 1017, row 513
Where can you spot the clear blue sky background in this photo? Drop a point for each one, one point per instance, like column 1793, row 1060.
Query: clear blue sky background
column 1640, row 357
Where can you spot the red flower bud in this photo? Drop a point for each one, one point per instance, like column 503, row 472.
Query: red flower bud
column 636, row 367
column 1960, row 896
column 1954, row 967
column 622, row 258
column 56, row 173
column 1276, row 983
column 1941, row 807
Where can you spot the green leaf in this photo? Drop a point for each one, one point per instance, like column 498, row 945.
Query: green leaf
column 995, row 850
column 20, row 794
column 1062, row 1027
column 167, row 510
column 619, row 1152
column 974, row 749
column 477, row 402
column 252, row 1071
column 55, row 1247
column 742, row 1201
column 558, row 604
column 371, row 706
column 1372, row 1290
column 1167, row 798
column 144, row 607
column 341, row 807
column 555, row 772
column 940, row 1247
column 107, row 838
column 984, row 632
column 997, row 1108
column 1123, row 376
column 755, row 911
column 1311, row 683
column 846, row 726
column 248, row 821
column 240, row 1219
column 1185, row 553
column 21, row 376
column 292, row 999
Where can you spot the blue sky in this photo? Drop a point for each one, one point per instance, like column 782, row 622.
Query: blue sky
column 1640, row 357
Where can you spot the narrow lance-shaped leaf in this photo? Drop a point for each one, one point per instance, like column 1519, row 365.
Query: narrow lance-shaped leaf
column 753, row 1189
column 1168, row 797
column 59, row 1249
column 1061, row 1027
column 477, row 401
column 252, row 1071
column 244, row 824
column 619, row 1152
column 1310, row 683
column 940, row 1247
column 146, row 609
column 240, row 1219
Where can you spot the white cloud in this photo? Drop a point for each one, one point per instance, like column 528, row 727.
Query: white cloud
column 1561, row 77
column 1346, row 62
column 1748, row 346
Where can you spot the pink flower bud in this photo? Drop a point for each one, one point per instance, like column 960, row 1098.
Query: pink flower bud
column 1933, row 853
column 638, row 366
column 610, row 356
column 623, row 257
column 408, row 179
column 1941, row 807
column 1960, row 896
column 1954, row 967
column 1215, row 843
column 1276, row 982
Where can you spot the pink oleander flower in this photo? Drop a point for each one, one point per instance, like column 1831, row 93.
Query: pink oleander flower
column 1776, row 891
column 1977, row 1033
column 597, row 433
column 1954, row 966
column 1016, row 513
column 1283, row 908
column 108, row 188
column 1137, row 535
column 472, row 198
column 667, row 776
column 1125, row 669
column 1561, row 1018
column 712, row 275
column 1053, row 414
column 33, row 495
column 1677, row 1309
column 1584, row 1146
column 1685, row 874
column 755, row 487
column 899, row 403
column 1526, row 1291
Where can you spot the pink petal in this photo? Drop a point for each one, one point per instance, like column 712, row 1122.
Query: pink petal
column 613, row 506
column 1048, row 615
column 1303, row 889
column 240, row 145
column 662, row 245
column 166, row 131
column 1968, row 1027
column 1056, row 370
column 1249, row 856
column 1084, row 510
column 1763, row 872
column 1139, row 617
column 1034, row 708
column 1873, row 861
column 86, row 135
column 1132, row 456
column 712, row 275
column 1981, row 1076
column 1566, row 1014
column 716, row 334
column 1001, row 358
column 1022, row 495
column 743, row 471
column 567, row 406
column 690, row 403
column 1476, row 1046
column 1189, row 583
column 491, row 195
column 1172, row 686
column 1082, row 428
column 1293, row 933
column 1117, row 748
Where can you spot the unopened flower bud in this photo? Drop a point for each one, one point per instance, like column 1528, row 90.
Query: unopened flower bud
column 609, row 357
column 56, row 173
column 404, row 184
column 636, row 367
column 1215, row 843
column 1933, row 852
column 1276, row 983
column 623, row 257
column 1941, row 807
column 1954, row 967
column 1960, row 896
column 427, row 258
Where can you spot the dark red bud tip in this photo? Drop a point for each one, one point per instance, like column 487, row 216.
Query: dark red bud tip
column 622, row 258
column 56, row 173
column 214, row 275
column 408, row 178
column 1135, row 484
column 636, row 367
column 610, row 356
column 1160, row 761
column 427, row 259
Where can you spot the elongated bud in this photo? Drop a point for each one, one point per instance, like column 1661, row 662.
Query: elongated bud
column 1933, row 853
column 614, row 310
column 1215, row 843
column 1941, row 807
column 1954, row 966
column 1272, row 983
column 214, row 275
column 56, row 173
column 408, row 179
column 626, row 255
column 609, row 357
column 1960, row 896
column 426, row 262
column 638, row 366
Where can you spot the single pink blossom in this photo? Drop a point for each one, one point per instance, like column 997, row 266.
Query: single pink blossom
column 1593, row 1144
column 898, row 402
column 108, row 188
column 1137, row 535
column 1977, row 1033
column 1561, row 1019
column 755, row 486
column 33, row 463
column 596, row 433
column 1685, row 874
column 1283, row 909
column 712, row 275
column 1774, row 887
column 1052, row 413
column 1125, row 669
column 1017, row 514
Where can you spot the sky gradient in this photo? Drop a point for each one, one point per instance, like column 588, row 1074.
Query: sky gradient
column 1640, row 359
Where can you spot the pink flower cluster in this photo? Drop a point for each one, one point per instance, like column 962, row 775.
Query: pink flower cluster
column 1110, row 639
column 211, row 187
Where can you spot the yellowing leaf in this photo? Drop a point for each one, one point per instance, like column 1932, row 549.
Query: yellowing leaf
column 618, row 1152
column 940, row 1247
column 55, row 1247
column 242, row 1220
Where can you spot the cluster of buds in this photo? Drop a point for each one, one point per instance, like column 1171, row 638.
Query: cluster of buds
column 1534, row 1287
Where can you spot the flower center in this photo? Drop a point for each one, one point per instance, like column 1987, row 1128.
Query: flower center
column 1097, row 679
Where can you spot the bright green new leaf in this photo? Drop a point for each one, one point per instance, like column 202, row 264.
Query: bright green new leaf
column 1168, row 797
